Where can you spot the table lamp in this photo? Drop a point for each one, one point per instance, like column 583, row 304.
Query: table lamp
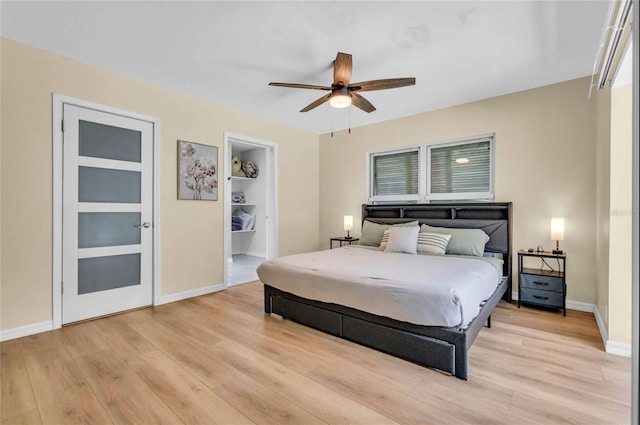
column 348, row 224
column 557, row 233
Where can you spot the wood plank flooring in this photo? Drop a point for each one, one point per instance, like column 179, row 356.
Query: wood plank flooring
column 218, row 359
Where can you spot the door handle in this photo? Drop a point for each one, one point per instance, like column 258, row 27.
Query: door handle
column 146, row 225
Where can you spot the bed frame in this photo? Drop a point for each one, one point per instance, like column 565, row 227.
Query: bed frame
column 433, row 346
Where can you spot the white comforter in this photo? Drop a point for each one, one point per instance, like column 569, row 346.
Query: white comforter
column 429, row 290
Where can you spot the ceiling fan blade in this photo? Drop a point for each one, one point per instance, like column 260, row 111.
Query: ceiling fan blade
column 316, row 103
column 342, row 69
column 390, row 83
column 300, row 86
column 362, row 103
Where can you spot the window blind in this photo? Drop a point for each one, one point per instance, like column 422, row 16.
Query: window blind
column 461, row 168
column 396, row 174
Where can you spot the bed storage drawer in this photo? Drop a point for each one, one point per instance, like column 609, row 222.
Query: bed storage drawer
column 412, row 347
column 326, row 321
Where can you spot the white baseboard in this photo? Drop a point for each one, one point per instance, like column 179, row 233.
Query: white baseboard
column 27, row 330
column 166, row 299
column 37, row 328
column 618, row 348
column 580, row 306
column 601, row 327
column 611, row 347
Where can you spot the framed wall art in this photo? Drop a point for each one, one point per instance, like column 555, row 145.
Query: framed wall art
column 197, row 171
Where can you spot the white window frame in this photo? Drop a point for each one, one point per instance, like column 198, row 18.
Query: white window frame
column 394, row 198
column 463, row 195
column 424, row 185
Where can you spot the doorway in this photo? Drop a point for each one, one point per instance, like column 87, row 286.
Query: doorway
column 104, row 211
column 250, row 204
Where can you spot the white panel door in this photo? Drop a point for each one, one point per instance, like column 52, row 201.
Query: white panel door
column 107, row 240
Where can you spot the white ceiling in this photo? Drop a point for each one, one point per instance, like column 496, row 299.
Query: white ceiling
column 227, row 52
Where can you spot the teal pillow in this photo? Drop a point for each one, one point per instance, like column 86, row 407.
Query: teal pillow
column 372, row 232
column 463, row 241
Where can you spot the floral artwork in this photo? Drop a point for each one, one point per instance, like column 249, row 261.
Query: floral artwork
column 198, row 171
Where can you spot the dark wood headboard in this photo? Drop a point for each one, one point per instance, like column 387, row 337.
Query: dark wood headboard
column 494, row 218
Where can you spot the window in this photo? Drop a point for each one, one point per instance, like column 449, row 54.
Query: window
column 456, row 170
column 395, row 174
column 460, row 171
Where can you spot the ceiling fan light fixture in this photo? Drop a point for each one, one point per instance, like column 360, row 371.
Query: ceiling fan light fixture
column 340, row 100
column 343, row 94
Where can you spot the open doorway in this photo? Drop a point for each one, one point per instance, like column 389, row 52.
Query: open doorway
column 250, row 206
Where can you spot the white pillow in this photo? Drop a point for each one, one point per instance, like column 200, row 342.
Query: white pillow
column 433, row 243
column 403, row 239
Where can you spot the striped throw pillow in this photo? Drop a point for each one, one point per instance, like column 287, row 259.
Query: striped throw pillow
column 385, row 239
column 433, row 243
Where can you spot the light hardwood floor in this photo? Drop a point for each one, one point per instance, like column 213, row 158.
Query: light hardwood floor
column 220, row 359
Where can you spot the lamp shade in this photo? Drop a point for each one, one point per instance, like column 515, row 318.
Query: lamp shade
column 348, row 222
column 340, row 100
column 557, row 229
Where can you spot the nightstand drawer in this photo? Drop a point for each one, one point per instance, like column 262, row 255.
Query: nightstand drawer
column 546, row 283
column 537, row 296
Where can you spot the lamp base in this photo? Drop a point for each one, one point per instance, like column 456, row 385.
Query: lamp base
column 557, row 251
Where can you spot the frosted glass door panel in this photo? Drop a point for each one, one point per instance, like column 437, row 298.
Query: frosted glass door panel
column 108, row 229
column 104, row 273
column 105, row 141
column 106, row 185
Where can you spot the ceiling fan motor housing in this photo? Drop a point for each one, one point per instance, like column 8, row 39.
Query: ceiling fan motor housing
column 339, row 89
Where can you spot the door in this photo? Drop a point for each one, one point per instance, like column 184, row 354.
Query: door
column 107, row 211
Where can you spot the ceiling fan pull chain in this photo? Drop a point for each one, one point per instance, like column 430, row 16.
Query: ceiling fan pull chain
column 350, row 119
column 331, row 115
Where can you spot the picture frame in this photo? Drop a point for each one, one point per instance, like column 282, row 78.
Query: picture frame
column 197, row 171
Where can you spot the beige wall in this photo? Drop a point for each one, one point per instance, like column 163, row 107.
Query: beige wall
column 545, row 164
column 191, row 232
column 620, row 216
column 603, row 170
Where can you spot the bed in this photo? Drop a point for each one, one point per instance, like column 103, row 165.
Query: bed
column 380, row 324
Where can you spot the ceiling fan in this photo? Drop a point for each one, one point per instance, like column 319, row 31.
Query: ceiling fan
column 343, row 93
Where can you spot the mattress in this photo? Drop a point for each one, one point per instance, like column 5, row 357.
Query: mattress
column 429, row 290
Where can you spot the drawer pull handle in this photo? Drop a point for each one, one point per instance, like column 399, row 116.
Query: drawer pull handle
column 541, row 283
column 540, row 297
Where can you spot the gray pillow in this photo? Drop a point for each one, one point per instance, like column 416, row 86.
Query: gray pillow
column 372, row 232
column 463, row 241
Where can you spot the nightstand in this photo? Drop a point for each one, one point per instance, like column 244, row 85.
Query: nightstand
column 342, row 241
column 546, row 288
